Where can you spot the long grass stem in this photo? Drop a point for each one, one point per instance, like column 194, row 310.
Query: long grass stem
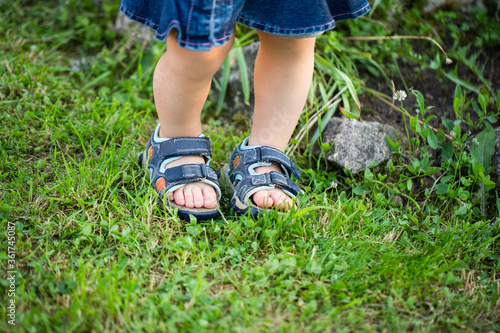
column 372, row 38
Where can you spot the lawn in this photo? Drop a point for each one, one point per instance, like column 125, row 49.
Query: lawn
column 411, row 245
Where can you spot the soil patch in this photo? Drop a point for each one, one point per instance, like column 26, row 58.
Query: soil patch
column 438, row 91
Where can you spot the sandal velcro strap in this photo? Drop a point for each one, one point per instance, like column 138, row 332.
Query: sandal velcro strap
column 274, row 178
column 266, row 180
column 185, row 147
column 190, row 173
column 269, row 154
column 277, row 179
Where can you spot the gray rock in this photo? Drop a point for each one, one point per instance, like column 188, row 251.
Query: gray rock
column 356, row 143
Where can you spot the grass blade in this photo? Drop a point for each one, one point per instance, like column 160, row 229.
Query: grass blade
column 242, row 65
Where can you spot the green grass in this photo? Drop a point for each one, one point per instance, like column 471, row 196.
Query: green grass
column 94, row 251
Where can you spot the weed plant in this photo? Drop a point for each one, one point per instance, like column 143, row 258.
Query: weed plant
column 411, row 245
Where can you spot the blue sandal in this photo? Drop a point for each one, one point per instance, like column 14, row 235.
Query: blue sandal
column 240, row 177
column 160, row 152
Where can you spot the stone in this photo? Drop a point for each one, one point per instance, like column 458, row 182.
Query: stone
column 355, row 144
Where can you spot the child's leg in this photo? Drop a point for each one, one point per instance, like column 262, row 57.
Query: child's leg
column 181, row 84
column 283, row 74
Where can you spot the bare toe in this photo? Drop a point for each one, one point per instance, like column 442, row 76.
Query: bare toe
column 280, row 199
column 179, row 197
column 272, row 198
column 262, row 199
column 188, row 194
column 209, row 196
column 197, row 195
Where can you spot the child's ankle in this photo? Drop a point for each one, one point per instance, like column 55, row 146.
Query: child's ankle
column 167, row 133
column 268, row 143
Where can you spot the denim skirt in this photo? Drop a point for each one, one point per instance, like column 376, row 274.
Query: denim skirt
column 201, row 24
